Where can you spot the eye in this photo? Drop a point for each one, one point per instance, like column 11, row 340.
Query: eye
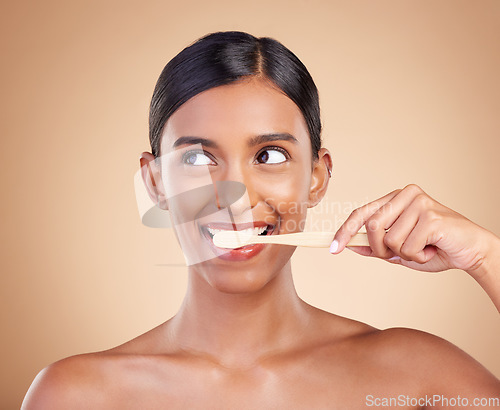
column 273, row 155
column 197, row 158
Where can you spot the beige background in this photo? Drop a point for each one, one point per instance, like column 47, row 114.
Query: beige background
column 409, row 92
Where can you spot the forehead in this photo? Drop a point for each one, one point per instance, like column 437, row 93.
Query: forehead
column 243, row 109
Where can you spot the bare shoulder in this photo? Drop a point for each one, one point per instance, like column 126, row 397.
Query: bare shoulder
column 66, row 383
column 332, row 327
column 99, row 379
column 397, row 360
column 435, row 362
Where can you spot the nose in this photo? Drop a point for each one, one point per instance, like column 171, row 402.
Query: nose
column 233, row 180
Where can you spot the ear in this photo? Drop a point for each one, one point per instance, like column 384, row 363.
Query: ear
column 321, row 173
column 151, row 175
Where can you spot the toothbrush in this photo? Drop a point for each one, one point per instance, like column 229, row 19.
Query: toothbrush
column 236, row 239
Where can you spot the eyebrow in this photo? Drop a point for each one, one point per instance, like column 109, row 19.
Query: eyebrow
column 194, row 140
column 258, row 139
column 279, row 136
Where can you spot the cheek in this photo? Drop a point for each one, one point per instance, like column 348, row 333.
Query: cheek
column 190, row 192
column 287, row 199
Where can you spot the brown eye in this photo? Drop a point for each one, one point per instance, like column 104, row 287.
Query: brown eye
column 271, row 156
column 263, row 157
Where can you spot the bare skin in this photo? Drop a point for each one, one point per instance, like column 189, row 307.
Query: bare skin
column 242, row 337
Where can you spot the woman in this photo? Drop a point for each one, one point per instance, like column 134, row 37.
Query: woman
column 232, row 107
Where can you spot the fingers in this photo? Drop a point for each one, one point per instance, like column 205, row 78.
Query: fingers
column 399, row 225
column 388, row 244
column 411, row 243
column 356, row 220
column 415, row 246
column 378, row 216
column 396, row 215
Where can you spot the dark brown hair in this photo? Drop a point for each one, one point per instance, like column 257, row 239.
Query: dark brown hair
column 222, row 58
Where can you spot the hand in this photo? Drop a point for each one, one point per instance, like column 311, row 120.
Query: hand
column 423, row 233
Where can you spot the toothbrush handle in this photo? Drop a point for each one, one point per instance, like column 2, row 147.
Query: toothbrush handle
column 310, row 239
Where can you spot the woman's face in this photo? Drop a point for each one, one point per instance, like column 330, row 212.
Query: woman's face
column 250, row 133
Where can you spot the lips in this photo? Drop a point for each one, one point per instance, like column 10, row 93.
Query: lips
column 238, row 254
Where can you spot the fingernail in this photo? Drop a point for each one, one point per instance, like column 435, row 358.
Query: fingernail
column 334, row 246
column 394, row 258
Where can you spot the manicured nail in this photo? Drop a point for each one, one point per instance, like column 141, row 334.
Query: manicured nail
column 394, row 258
column 334, row 246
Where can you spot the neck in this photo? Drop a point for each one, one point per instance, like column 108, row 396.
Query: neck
column 236, row 329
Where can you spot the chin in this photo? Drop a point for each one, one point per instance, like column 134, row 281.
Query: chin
column 239, row 282
column 241, row 277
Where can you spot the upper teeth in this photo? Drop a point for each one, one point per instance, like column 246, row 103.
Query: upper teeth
column 249, row 231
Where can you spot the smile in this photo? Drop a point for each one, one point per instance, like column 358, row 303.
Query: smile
column 261, row 230
column 238, row 254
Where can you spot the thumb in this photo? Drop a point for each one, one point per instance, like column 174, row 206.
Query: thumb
column 427, row 253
